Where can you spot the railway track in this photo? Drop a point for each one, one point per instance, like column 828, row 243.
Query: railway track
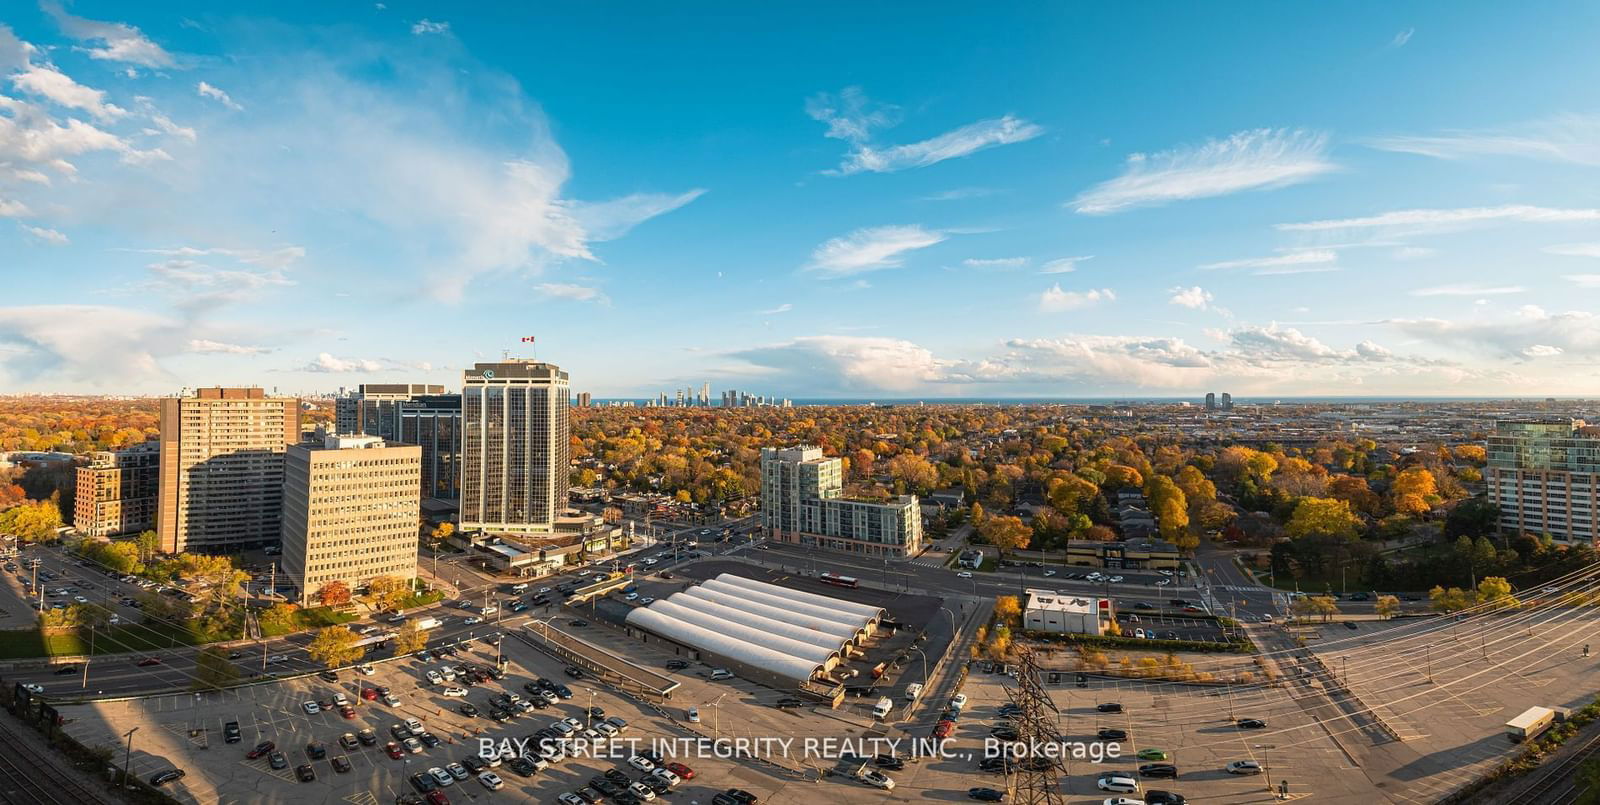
column 1559, row 785
column 27, row 778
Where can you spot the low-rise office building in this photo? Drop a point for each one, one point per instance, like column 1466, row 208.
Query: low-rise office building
column 1049, row 611
column 117, row 492
column 1146, row 554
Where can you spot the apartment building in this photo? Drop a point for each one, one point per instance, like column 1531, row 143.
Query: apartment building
column 221, row 468
column 350, row 511
column 802, row 501
column 1542, row 475
column 117, row 492
column 514, row 447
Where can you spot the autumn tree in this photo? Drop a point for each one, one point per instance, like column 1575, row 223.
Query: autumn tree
column 34, row 521
column 1414, row 491
column 1387, row 606
column 1171, row 511
column 149, row 545
column 1495, row 592
column 278, row 619
column 1353, row 490
column 1007, row 609
column 410, row 639
column 1121, row 475
column 918, row 475
column 334, row 646
column 1323, row 517
column 387, row 592
column 1006, row 533
column 1453, row 599
column 335, row 593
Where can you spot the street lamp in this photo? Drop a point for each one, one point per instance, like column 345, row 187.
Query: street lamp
column 127, row 755
column 716, row 718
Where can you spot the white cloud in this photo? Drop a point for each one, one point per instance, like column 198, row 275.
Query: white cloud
column 577, row 293
column 1373, row 351
column 783, row 308
column 1575, row 333
column 1293, row 258
column 427, row 26
column 281, row 257
column 198, row 287
column 1063, row 265
column 120, row 42
column 1194, row 298
column 852, row 117
column 1542, row 351
column 1432, row 219
column 609, row 220
column 44, row 235
column 995, row 262
column 833, row 363
column 1583, row 280
column 1055, row 300
column 870, row 249
column 93, row 345
column 1413, row 253
column 1572, row 138
column 961, row 193
column 165, row 125
column 48, row 82
column 13, row 209
column 205, row 346
column 1468, row 289
column 1250, row 160
column 215, row 93
column 1575, row 249
column 326, row 363
column 1400, row 39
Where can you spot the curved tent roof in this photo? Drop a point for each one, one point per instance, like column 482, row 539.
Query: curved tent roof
column 842, row 631
column 864, row 610
column 795, row 648
column 756, row 656
column 759, row 622
column 770, row 600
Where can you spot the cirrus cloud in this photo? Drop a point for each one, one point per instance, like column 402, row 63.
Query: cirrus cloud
column 1261, row 159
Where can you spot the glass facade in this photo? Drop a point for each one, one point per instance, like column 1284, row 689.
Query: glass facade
column 1542, row 475
column 514, row 447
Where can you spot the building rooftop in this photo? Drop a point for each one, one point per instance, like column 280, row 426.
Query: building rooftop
column 1055, row 602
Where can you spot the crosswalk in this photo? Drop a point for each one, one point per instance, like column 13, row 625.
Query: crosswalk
column 930, row 559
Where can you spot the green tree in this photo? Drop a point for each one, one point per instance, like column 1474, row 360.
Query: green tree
column 213, row 669
column 334, row 646
column 1453, row 599
column 278, row 619
column 149, row 545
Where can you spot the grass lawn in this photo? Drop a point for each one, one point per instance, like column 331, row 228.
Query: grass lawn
column 1353, row 581
column 23, row 643
column 422, row 599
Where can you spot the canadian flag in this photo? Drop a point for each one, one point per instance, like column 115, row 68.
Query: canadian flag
column 527, row 339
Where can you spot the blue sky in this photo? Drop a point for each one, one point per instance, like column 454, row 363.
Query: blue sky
column 838, row 200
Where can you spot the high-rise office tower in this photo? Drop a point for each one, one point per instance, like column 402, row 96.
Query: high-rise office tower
column 221, row 477
column 350, row 508
column 433, row 422
column 117, row 492
column 514, row 445
column 705, row 395
column 1211, row 401
column 1227, row 401
column 374, row 408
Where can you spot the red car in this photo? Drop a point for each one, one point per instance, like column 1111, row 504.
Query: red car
column 370, row 694
column 262, row 749
column 394, row 750
column 347, row 711
column 943, row 728
column 149, row 661
column 681, row 770
column 437, row 797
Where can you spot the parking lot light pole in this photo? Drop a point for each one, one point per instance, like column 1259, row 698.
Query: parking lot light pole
column 126, row 756
column 716, row 718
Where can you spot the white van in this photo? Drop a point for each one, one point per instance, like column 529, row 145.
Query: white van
column 519, row 588
column 490, row 610
column 885, row 704
column 913, row 691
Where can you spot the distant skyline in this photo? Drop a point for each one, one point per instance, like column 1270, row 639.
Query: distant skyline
column 1018, row 201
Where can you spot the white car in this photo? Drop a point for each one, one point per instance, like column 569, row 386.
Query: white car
column 551, row 753
column 35, row 688
column 549, row 696
column 366, row 669
column 391, row 700
column 1120, row 783
column 414, row 725
column 877, row 779
column 1267, row 618
column 1243, row 767
column 1139, row 633
column 605, row 729
column 544, row 590
column 958, row 701
column 1047, row 574
column 442, row 777
column 647, row 600
column 491, row 781
column 642, row 791
column 667, row 777
column 454, row 692
column 1115, row 579
column 1122, row 801
column 311, row 708
column 631, row 597
column 594, row 737
column 641, row 763
column 1163, row 582
column 694, row 715
column 965, row 574
column 341, row 700
column 569, row 798
column 1166, row 572
column 913, row 691
column 564, row 728
column 434, row 677
column 472, row 620
column 80, row 599
column 573, row 723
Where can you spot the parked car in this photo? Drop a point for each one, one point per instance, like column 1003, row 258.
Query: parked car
column 1243, row 767
column 163, row 777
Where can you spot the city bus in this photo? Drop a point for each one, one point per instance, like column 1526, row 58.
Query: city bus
column 838, row 581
